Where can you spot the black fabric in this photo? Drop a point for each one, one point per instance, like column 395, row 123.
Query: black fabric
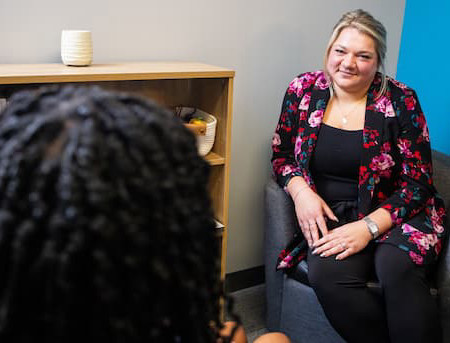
column 406, row 307
column 335, row 163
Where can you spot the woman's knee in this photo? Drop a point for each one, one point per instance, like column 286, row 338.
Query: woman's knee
column 327, row 276
column 322, row 275
column 273, row 337
column 330, row 279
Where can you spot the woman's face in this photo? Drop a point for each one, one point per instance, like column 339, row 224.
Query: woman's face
column 352, row 61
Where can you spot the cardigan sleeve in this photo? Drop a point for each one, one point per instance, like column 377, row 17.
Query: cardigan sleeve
column 415, row 185
column 284, row 139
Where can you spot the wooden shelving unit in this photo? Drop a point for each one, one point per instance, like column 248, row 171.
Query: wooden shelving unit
column 171, row 84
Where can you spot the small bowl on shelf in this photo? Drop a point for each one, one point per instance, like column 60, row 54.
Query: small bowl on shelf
column 202, row 124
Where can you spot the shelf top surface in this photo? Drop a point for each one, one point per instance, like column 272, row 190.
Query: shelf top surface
column 58, row 72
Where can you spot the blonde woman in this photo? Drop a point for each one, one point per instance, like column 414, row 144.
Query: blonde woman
column 352, row 150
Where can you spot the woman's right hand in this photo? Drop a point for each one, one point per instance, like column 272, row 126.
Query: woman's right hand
column 311, row 210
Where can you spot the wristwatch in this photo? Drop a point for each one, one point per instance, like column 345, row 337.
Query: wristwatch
column 372, row 227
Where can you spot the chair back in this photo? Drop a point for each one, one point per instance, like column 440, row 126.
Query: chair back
column 441, row 169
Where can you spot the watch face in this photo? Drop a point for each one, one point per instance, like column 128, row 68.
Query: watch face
column 375, row 231
column 373, row 228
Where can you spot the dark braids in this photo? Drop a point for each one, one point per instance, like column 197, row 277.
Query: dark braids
column 106, row 230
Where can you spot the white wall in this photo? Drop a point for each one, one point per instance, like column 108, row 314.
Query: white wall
column 266, row 42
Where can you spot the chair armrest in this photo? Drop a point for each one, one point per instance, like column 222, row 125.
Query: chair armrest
column 280, row 220
column 443, row 286
column 280, row 224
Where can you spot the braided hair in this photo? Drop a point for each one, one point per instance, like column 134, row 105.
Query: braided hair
column 106, row 229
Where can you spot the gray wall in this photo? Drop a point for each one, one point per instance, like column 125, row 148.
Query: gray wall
column 266, row 42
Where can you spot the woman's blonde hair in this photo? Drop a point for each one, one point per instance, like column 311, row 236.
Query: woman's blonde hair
column 365, row 23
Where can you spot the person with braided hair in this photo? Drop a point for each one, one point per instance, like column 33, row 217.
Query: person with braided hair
column 106, row 227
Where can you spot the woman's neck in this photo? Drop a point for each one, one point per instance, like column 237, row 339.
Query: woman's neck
column 349, row 97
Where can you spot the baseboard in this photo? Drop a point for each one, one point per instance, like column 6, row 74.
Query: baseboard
column 244, row 279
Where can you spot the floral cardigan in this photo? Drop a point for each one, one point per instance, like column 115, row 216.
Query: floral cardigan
column 395, row 172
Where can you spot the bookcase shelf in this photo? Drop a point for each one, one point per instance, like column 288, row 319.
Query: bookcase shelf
column 214, row 159
column 170, row 84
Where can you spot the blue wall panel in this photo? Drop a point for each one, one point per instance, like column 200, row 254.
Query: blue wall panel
column 424, row 64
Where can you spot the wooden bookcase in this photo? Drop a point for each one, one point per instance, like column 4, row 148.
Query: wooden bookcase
column 171, row 84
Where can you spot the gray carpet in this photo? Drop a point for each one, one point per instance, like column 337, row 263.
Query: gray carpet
column 249, row 304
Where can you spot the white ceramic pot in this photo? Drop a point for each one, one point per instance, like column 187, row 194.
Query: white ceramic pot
column 76, row 47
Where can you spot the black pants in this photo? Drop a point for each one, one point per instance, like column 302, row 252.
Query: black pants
column 406, row 312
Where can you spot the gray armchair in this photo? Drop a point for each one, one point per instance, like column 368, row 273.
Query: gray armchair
column 292, row 306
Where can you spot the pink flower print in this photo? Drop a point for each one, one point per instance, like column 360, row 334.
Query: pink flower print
column 394, row 216
column 410, row 103
column 382, row 162
column 384, row 105
column 423, row 240
column 304, row 104
column 404, row 145
column 397, row 83
column 369, row 138
column 308, row 78
column 316, row 118
column 276, row 140
column 298, row 146
column 386, row 147
column 296, row 87
column 417, row 259
column 425, row 133
column 406, row 228
column 299, row 84
column 436, row 221
column 277, row 163
column 303, row 115
column 282, row 265
column 322, row 82
column 285, row 263
column 285, row 170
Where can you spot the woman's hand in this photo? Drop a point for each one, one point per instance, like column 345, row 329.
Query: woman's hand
column 344, row 241
column 311, row 211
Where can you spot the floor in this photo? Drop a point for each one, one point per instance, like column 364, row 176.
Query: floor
column 249, row 304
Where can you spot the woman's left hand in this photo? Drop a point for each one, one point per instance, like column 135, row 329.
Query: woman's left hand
column 343, row 241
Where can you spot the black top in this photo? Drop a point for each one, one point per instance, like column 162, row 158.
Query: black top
column 335, row 163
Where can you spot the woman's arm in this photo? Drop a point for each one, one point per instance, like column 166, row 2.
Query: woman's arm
column 309, row 207
column 239, row 335
column 292, row 121
column 415, row 185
